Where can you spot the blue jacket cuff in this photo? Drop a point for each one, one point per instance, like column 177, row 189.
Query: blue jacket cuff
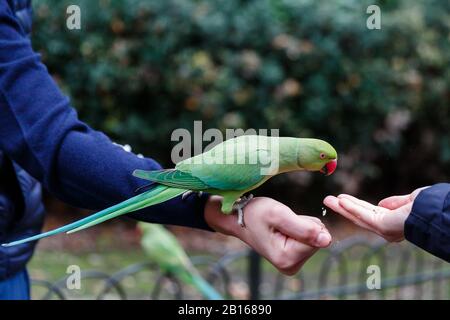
column 428, row 225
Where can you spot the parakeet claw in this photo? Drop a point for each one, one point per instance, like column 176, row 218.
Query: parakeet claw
column 239, row 206
column 241, row 221
column 187, row 194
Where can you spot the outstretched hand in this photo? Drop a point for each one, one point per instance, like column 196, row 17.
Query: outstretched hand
column 387, row 219
column 284, row 238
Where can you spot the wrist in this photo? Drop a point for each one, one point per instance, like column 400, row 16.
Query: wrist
column 218, row 221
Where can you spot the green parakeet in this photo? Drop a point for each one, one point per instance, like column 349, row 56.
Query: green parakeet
column 230, row 169
column 163, row 248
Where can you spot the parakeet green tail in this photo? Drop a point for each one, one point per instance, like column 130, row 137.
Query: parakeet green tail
column 157, row 195
column 205, row 288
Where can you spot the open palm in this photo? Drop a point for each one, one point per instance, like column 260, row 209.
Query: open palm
column 387, row 219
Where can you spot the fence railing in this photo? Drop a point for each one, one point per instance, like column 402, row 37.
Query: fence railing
column 340, row 272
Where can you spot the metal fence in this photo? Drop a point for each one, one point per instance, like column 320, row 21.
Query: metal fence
column 340, row 272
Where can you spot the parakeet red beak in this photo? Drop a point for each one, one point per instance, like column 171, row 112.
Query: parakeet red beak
column 329, row 168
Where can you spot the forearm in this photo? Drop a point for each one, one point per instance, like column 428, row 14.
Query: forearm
column 42, row 133
column 428, row 224
column 105, row 178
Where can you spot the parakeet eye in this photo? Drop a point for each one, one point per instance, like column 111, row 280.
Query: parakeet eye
column 322, row 155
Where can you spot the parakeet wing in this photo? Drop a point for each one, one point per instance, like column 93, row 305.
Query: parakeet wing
column 234, row 165
column 172, row 178
column 207, row 176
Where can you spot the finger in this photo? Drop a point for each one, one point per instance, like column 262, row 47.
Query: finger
column 360, row 213
column 291, row 255
column 360, row 202
column 334, row 204
column 416, row 192
column 304, row 230
column 305, row 257
column 315, row 219
column 394, row 202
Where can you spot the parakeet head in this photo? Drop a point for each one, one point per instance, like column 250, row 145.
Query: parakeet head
column 317, row 155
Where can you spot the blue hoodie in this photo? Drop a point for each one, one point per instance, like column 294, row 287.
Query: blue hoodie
column 42, row 142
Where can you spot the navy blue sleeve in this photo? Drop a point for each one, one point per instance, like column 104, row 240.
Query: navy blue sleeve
column 42, row 133
column 428, row 225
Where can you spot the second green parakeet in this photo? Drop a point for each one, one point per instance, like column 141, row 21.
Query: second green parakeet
column 163, row 248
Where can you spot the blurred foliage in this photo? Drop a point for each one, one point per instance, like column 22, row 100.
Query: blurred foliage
column 138, row 69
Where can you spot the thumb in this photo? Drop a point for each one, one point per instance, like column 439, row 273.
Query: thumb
column 394, row 202
column 304, row 230
column 416, row 192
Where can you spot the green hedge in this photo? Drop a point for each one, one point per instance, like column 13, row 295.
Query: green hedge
column 139, row 69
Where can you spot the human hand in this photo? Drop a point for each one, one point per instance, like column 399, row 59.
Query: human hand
column 272, row 229
column 387, row 219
